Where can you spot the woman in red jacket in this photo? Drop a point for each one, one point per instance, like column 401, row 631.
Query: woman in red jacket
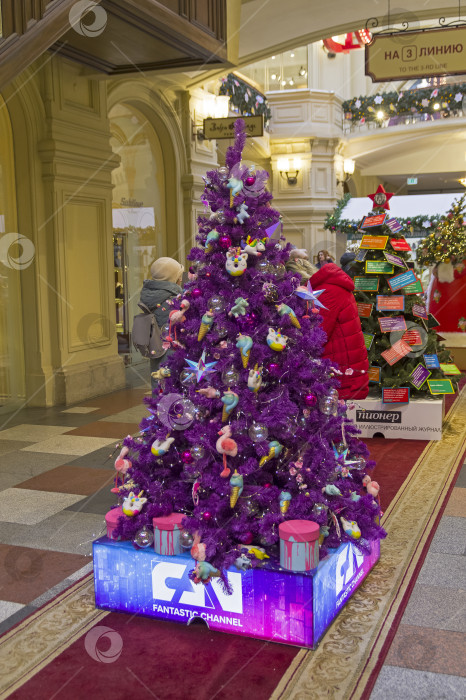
column 345, row 341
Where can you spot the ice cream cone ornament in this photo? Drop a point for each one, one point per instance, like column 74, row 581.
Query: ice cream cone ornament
column 285, row 310
column 230, row 401
column 211, row 237
column 236, row 484
column 206, row 324
column 275, row 448
column 244, row 343
column 285, row 499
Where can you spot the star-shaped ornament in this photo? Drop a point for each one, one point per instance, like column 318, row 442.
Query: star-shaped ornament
column 380, row 198
column 308, row 294
column 343, row 464
column 271, row 229
column 201, row 367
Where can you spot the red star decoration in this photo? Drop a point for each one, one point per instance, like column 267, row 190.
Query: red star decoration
column 380, row 198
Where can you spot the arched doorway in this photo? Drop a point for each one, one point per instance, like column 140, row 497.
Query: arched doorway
column 16, row 254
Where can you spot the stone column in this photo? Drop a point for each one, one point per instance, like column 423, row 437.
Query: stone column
column 76, row 335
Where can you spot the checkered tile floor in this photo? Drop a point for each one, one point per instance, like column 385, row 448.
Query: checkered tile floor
column 56, row 471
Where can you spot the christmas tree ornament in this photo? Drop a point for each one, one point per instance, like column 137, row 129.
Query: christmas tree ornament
column 235, row 186
column 187, row 377
column 224, row 242
column 198, row 548
column 242, row 213
column 122, row 466
column 285, row 500
column 251, row 506
column 230, row 401
column 244, row 344
column 257, row 552
column 276, row 341
column 331, row 490
column 380, row 198
column 206, row 324
column 253, row 246
column 275, row 449
column 243, row 563
column 203, row 571
column 239, row 307
column 186, row 539
column 319, row 509
column 236, row 488
column 186, row 457
column 258, row 432
column 196, row 293
column 159, row 448
column 350, row 528
column 310, row 399
column 197, row 452
column 201, row 367
column 270, row 292
column 262, row 265
column 216, row 303
column 328, row 405
column 285, row 310
column 221, row 331
column 230, row 376
column 211, row 238
column 255, row 379
column 226, row 446
column 278, row 271
column 132, row 505
column 310, row 296
column 236, row 263
column 223, row 172
column 143, row 538
column 273, row 229
column 250, row 180
column 162, row 373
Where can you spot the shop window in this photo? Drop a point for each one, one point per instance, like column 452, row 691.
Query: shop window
column 285, row 71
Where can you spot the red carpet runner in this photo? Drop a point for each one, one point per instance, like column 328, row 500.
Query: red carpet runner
column 173, row 662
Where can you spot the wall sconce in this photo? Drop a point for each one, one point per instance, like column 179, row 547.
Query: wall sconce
column 348, row 169
column 214, row 106
column 289, row 172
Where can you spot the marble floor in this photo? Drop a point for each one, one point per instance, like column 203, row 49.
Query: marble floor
column 56, row 471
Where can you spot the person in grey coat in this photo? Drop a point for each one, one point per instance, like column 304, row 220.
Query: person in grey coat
column 165, row 283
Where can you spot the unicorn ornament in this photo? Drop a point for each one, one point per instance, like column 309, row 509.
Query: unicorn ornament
column 255, row 379
column 132, row 504
column 236, row 263
column 253, row 246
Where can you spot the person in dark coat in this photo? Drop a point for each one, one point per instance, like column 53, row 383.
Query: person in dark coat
column 345, row 341
column 346, row 265
column 166, row 276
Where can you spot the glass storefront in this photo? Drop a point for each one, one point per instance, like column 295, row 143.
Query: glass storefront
column 16, row 255
column 139, row 215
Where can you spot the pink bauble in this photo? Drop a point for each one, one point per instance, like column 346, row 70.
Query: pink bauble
column 273, row 368
column 207, row 515
column 247, row 538
column 310, row 399
column 250, row 180
column 187, row 457
column 224, row 242
column 196, row 293
column 267, row 485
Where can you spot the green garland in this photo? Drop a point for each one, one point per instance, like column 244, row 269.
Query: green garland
column 449, row 99
column 413, row 225
column 247, row 100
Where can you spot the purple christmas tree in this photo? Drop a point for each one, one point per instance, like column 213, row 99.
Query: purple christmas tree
column 246, row 430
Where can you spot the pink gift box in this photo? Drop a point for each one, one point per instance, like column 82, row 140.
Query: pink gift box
column 111, row 520
column 299, row 545
column 167, row 534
